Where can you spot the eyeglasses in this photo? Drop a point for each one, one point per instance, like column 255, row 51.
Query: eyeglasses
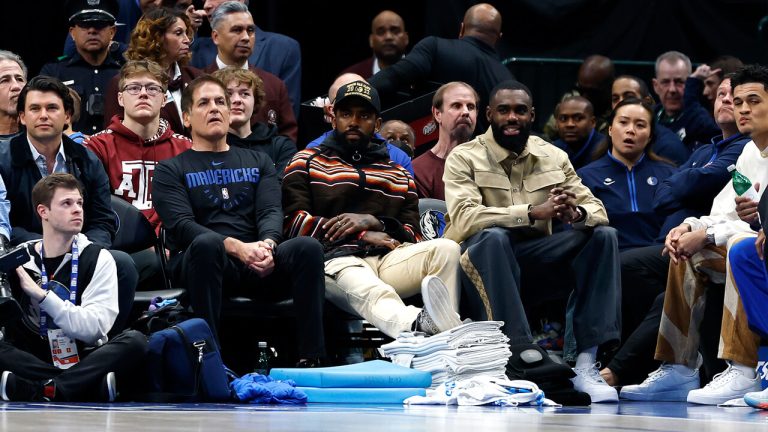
column 152, row 89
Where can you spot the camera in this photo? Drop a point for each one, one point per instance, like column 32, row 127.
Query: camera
column 10, row 310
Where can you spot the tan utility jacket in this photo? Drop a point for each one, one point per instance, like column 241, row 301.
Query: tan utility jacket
column 480, row 194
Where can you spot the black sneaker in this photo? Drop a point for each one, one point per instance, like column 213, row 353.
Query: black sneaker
column 109, row 387
column 16, row 388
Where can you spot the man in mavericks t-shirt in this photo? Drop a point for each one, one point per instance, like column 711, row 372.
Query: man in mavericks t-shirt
column 222, row 208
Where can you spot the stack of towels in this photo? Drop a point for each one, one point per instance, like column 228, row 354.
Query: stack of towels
column 375, row 381
column 470, row 350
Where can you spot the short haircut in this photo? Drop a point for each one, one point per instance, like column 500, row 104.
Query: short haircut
column 244, row 76
column 407, row 128
column 509, row 85
column 437, row 99
column 644, row 91
column 225, row 9
column 147, row 37
column 753, row 73
column 189, row 91
column 46, row 187
column 43, row 83
column 673, row 57
column 77, row 101
column 588, row 108
column 11, row 56
column 727, row 64
column 143, row 67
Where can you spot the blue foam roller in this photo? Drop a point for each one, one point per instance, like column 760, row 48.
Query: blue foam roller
column 371, row 374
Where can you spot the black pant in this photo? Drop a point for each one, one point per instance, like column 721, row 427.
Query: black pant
column 643, row 276
column 31, row 359
column 127, row 279
column 207, row 272
column 582, row 262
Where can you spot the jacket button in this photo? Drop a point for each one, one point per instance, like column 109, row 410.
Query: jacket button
column 519, row 220
column 514, row 190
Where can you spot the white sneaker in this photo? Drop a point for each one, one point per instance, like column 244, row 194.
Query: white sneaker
column 437, row 304
column 588, row 380
column 665, row 384
column 727, row 385
column 757, row 399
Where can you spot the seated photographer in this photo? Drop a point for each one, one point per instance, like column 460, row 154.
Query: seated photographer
column 67, row 290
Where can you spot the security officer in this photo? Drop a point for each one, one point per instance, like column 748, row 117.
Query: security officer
column 97, row 60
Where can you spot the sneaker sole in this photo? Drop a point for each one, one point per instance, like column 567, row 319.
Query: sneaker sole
column 756, row 403
column 436, row 301
column 111, row 387
column 3, row 383
column 667, row 396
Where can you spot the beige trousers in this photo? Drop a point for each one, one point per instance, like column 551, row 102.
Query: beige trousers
column 684, row 301
column 373, row 287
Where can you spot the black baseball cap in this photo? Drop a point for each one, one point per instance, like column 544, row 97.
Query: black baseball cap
column 360, row 90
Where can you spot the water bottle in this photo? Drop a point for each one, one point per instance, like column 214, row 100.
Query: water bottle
column 263, row 358
column 742, row 185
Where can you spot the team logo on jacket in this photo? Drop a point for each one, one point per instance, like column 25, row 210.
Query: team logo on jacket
column 272, row 117
column 653, row 181
column 608, row 181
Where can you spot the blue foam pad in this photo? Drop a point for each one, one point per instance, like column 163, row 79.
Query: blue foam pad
column 371, row 374
column 361, row 395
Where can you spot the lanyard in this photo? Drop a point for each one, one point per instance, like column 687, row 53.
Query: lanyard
column 72, row 283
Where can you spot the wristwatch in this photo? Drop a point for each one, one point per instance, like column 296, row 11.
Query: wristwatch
column 710, row 235
column 272, row 243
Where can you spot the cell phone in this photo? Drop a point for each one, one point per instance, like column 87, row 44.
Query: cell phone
column 14, row 258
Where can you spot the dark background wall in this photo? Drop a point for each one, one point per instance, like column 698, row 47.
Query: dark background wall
column 334, row 34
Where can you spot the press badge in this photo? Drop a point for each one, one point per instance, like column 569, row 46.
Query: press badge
column 63, row 349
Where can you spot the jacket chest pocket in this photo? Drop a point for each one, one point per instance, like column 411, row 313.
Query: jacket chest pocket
column 538, row 185
column 495, row 188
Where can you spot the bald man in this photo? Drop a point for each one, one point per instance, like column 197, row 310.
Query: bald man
column 472, row 58
column 388, row 40
column 395, row 154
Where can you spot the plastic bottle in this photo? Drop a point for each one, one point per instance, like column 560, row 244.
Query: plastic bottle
column 263, row 358
column 742, row 185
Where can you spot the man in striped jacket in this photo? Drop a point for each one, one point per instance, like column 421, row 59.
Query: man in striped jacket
column 363, row 208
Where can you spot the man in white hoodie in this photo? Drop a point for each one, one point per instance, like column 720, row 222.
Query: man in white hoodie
column 68, row 292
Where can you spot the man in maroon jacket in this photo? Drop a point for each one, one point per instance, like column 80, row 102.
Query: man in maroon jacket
column 131, row 146
column 234, row 34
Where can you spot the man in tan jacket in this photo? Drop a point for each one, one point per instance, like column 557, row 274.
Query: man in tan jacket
column 503, row 190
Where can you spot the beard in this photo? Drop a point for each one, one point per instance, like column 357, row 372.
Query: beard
column 462, row 133
column 515, row 143
column 359, row 145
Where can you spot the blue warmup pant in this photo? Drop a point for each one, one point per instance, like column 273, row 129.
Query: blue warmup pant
column 751, row 278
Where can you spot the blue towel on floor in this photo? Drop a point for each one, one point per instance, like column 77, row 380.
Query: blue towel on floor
column 259, row 389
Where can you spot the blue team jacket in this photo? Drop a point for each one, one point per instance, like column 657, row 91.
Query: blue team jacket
column 689, row 192
column 628, row 196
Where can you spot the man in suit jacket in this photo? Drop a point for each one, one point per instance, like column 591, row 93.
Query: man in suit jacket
column 276, row 53
column 471, row 58
column 234, row 36
column 388, row 41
